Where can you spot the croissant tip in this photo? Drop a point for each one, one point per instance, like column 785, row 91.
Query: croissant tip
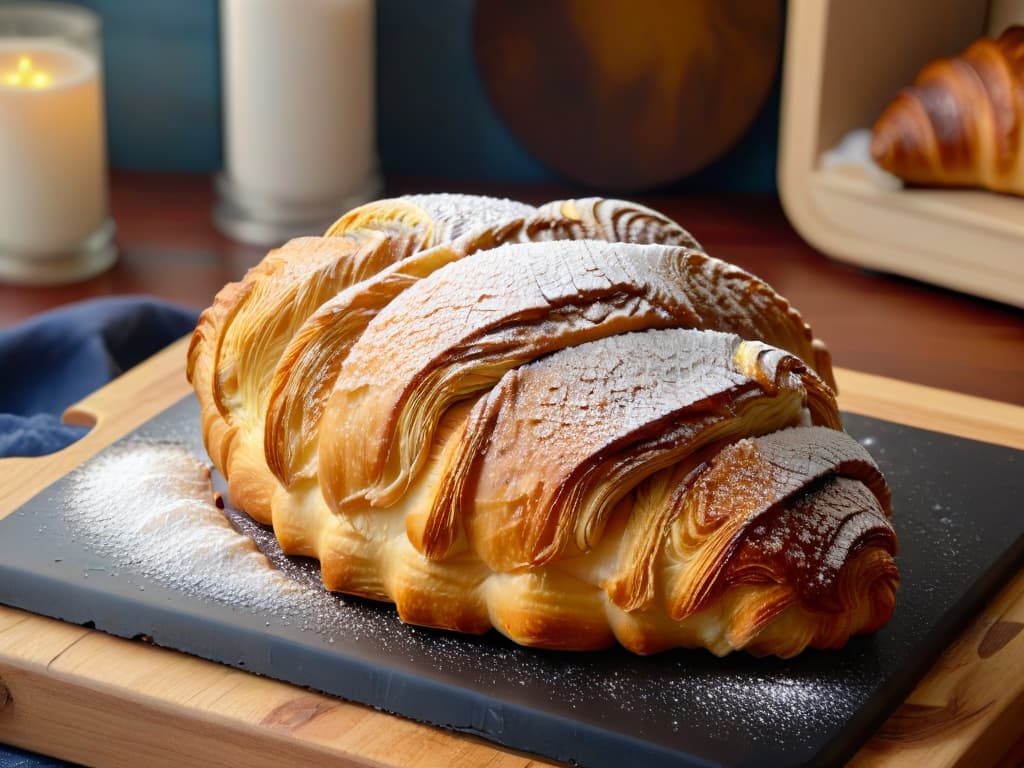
column 885, row 137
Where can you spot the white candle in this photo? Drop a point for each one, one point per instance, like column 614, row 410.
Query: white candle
column 53, row 183
column 298, row 83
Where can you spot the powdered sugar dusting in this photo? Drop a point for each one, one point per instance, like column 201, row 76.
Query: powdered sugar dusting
column 817, row 532
column 149, row 508
column 457, row 215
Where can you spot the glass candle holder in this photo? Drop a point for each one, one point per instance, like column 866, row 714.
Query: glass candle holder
column 299, row 116
column 54, row 204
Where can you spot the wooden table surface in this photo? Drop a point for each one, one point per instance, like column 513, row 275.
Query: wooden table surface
column 873, row 323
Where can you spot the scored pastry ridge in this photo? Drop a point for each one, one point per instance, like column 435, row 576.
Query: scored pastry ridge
column 467, row 323
column 568, row 423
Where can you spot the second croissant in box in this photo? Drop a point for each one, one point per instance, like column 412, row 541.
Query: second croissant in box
column 961, row 124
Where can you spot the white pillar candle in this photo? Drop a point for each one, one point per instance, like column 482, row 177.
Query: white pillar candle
column 53, row 183
column 299, row 103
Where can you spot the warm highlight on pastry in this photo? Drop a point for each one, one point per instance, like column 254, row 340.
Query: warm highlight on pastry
column 263, row 357
column 962, row 122
column 567, row 423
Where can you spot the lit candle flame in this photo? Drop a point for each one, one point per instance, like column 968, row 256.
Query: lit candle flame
column 27, row 76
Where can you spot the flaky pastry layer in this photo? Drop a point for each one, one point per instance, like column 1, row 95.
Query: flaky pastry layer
column 567, row 423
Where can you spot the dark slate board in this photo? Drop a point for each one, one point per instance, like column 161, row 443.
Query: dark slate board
column 958, row 508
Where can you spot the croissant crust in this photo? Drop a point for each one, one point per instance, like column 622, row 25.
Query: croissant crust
column 568, row 423
column 962, row 121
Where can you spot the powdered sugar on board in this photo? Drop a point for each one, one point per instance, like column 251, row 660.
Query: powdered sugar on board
column 149, row 508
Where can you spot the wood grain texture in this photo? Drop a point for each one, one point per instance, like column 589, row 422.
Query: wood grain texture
column 80, row 694
column 931, row 408
column 962, row 713
column 628, row 96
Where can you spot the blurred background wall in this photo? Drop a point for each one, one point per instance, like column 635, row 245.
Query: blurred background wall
column 434, row 117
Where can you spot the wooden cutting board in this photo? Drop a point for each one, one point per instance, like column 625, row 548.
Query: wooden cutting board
column 79, row 694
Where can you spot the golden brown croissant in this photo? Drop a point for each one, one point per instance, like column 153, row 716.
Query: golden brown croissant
column 511, row 418
column 962, row 122
column 295, row 305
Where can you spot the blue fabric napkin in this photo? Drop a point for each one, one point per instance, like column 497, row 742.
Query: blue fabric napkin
column 15, row 758
column 56, row 358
